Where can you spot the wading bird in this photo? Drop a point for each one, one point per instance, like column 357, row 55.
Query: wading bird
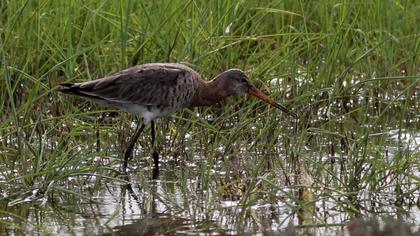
column 160, row 89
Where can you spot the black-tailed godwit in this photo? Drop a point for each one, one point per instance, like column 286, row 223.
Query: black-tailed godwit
column 160, row 89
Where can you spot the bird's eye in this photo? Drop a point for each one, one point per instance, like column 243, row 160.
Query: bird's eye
column 244, row 80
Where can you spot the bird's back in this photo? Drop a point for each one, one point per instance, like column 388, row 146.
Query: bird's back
column 150, row 90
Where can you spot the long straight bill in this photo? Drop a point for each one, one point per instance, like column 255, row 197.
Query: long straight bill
column 257, row 93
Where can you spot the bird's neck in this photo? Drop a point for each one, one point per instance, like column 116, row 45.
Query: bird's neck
column 209, row 93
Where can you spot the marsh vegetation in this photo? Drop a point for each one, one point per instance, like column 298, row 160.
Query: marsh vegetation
column 350, row 69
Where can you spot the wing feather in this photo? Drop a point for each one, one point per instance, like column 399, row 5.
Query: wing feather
column 140, row 84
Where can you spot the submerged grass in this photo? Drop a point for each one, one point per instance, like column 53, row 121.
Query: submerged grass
column 350, row 69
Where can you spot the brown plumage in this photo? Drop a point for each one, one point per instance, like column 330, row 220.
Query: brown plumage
column 160, row 89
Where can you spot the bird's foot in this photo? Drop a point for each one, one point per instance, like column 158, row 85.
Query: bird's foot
column 155, row 156
column 123, row 168
column 155, row 173
column 128, row 155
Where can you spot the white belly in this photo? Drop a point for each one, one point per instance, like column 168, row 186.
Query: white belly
column 148, row 113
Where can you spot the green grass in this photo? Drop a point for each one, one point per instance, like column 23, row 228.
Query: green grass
column 350, row 69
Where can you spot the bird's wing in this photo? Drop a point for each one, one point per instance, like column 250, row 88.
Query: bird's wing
column 134, row 85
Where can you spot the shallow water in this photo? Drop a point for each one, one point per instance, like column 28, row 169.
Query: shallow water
column 183, row 201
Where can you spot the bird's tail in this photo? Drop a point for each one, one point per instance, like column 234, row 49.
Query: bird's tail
column 73, row 89
column 67, row 88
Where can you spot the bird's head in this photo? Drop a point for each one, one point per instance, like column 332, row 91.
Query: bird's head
column 236, row 82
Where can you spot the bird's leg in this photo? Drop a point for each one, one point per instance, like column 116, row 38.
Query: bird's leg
column 155, row 154
column 129, row 151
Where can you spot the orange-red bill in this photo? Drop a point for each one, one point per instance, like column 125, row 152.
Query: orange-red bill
column 257, row 93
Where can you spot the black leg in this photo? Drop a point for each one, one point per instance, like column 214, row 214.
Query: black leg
column 155, row 154
column 152, row 124
column 129, row 151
